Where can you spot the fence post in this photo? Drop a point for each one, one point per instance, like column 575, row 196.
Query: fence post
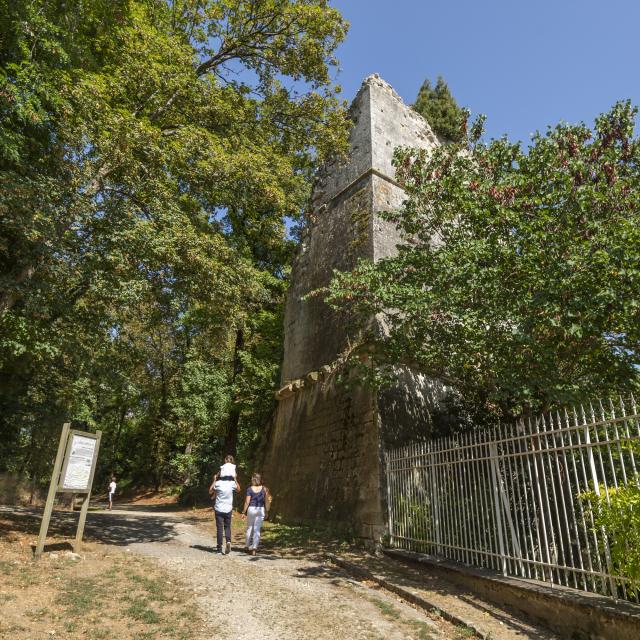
column 387, row 464
column 507, row 513
column 435, row 505
column 495, row 474
column 596, row 488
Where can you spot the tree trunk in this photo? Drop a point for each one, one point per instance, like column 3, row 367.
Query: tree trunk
column 34, row 484
column 186, row 481
column 116, row 440
column 163, row 411
column 231, row 439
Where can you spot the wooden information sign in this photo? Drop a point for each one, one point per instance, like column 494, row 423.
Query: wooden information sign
column 72, row 473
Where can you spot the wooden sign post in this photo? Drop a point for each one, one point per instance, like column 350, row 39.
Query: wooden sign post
column 72, row 473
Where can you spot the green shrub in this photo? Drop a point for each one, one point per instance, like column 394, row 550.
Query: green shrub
column 619, row 516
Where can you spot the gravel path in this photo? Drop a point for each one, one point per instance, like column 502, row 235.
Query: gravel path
column 272, row 596
column 290, row 593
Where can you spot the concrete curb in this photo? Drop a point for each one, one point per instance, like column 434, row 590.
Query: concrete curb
column 405, row 594
column 567, row 612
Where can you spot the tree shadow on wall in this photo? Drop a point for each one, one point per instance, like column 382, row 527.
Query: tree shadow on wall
column 417, row 408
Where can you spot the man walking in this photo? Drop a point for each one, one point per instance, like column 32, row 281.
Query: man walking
column 223, row 508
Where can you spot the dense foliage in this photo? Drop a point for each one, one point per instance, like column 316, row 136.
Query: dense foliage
column 518, row 283
column 151, row 152
column 617, row 512
column 440, row 109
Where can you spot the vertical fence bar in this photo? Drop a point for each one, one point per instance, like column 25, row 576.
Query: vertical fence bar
column 584, row 530
column 488, row 560
column 459, row 500
column 446, row 551
column 556, row 524
column 389, row 501
column 434, row 499
column 472, row 498
column 616, row 437
column 596, row 488
column 564, row 480
column 543, row 511
column 492, row 521
column 496, row 505
column 509, row 505
column 627, row 434
column 526, row 520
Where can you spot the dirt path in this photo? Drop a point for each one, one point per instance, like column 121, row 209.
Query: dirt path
column 273, row 596
column 290, row 592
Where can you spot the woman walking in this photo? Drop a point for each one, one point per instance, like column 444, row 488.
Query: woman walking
column 256, row 509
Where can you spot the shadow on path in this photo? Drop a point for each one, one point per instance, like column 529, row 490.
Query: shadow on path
column 201, row 547
column 109, row 527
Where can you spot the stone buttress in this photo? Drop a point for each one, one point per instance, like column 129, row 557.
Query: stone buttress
column 323, row 458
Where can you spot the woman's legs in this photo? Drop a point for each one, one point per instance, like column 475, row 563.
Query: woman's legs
column 249, row 532
column 255, row 517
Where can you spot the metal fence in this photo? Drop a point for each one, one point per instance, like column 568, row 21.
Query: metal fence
column 527, row 500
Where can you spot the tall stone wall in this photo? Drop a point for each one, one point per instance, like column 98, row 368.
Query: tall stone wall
column 323, row 459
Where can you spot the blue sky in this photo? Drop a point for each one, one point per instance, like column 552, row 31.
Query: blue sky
column 525, row 64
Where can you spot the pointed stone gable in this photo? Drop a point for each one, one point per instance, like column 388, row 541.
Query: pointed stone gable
column 346, row 202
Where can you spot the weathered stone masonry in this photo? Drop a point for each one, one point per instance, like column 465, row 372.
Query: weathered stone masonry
column 323, row 458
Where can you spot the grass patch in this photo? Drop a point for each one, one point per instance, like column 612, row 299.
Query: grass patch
column 422, row 630
column 304, row 537
column 6, row 568
column 37, row 613
column 141, row 611
column 386, row 609
column 145, row 635
column 154, row 587
column 81, row 595
column 108, row 594
column 464, row 634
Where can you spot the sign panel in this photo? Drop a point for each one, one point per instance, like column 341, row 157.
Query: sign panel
column 79, row 451
column 79, row 463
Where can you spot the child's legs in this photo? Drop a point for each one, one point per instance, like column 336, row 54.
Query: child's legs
column 256, row 518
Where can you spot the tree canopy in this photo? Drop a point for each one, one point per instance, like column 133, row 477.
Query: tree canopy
column 518, row 281
column 151, row 153
column 440, row 109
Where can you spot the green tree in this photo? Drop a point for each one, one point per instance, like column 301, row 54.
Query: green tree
column 150, row 154
column 440, row 109
column 518, row 284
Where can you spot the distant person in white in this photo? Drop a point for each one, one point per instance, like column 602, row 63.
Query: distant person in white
column 223, row 508
column 112, row 491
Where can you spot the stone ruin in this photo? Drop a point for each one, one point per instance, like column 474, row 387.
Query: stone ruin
column 324, row 454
